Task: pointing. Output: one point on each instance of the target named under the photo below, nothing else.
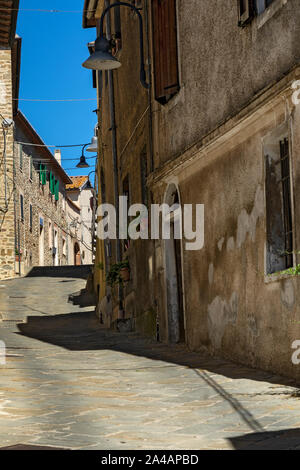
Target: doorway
(77, 257)
(173, 273)
(41, 243)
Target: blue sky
(54, 45)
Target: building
(33, 222)
(80, 197)
(219, 126)
(41, 230)
(8, 85)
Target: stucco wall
(222, 67)
(232, 307)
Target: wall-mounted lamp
(102, 58)
(93, 147)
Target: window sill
(174, 101)
(270, 12)
(278, 277)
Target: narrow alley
(69, 383)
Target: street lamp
(83, 163)
(102, 59)
(93, 147)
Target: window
(30, 168)
(50, 235)
(30, 217)
(144, 173)
(22, 207)
(64, 247)
(166, 73)
(279, 208)
(117, 35)
(246, 11)
(56, 190)
(261, 5)
(43, 174)
(21, 156)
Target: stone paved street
(68, 383)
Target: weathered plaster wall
(132, 115)
(232, 308)
(221, 68)
(7, 236)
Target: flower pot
(125, 274)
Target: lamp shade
(82, 163)
(94, 145)
(101, 59)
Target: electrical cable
(39, 10)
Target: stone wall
(44, 206)
(7, 235)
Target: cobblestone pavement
(68, 383)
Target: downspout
(147, 6)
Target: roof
(89, 12)
(8, 21)
(16, 69)
(77, 182)
(34, 138)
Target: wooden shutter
(246, 11)
(56, 193)
(165, 49)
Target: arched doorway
(173, 273)
(77, 257)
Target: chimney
(57, 155)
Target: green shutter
(50, 182)
(40, 172)
(56, 190)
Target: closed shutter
(56, 191)
(165, 49)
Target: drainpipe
(147, 6)
(114, 154)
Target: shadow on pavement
(81, 331)
(286, 439)
(75, 272)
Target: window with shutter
(56, 190)
(246, 11)
(166, 73)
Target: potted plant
(125, 271)
(118, 273)
(18, 255)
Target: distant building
(80, 196)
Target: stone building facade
(219, 126)
(8, 45)
(41, 229)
